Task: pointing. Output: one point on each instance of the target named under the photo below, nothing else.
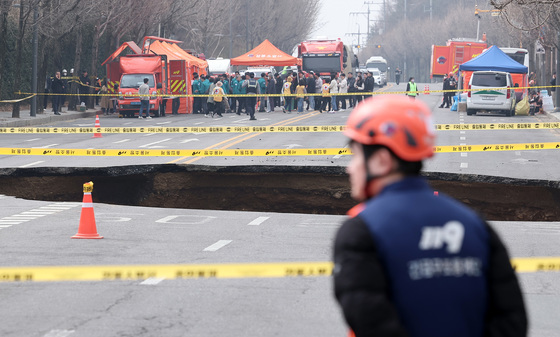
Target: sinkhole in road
(283, 189)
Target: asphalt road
(538, 164)
(37, 233)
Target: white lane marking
(189, 140)
(463, 144)
(217, 245)
(258, 221)
(53, 208)
(463, 138)
(44, 147)
(69, 204)
(121, 141)
(127, 123)
(21, 215)
(31, 164)
(163, 123)
(198, 123)
(39, 212)
(59, 333)
(203, 219)
(242, 120)
(291, 146)
(11, 219)
(84, 124)
(8, 226)
(517, 153)
(464, 154)
(149, 134)
(462, 132)
(32, 140)
(464, 165)
(152, 281)
(150, 145)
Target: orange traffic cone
(87, 228)
(427, 89)
(97, 125)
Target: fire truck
(166, 78)
(326, 57)
(446, 59)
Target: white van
(491, 91)
(219, 66)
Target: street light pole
(33, 112)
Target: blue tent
(494, 59)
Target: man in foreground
(408, 262)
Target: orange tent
(193, 64)
(265, 54)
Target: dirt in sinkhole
(284, 189)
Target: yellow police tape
(257, 152)
(418, 92)
(18, 100)
(275, 129)
(225, 271)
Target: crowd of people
(311, 92)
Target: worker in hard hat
(409, 262)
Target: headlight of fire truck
(154, 95)
(121, 95)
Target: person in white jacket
(333, 89)
(342, 89)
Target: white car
(259, 71)
(377, 77)
(491, 91)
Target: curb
(33, 121)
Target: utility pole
(406, 25)
(33, 112)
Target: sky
(335, 20)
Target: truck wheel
(470, 112)
(161, 112)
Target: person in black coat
(369, 84)
(57, 88)
(279, 85)
(310, 87)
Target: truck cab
(129, 101)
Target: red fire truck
(446, 59)
(326, 57)
(167, 75)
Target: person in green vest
(204, 89)
(262, 85)
(197, 103)
(242, 101)
(411, 88)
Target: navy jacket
(414, 264)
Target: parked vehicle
(377, 77)
(491, 91)
(447, 59)
(379, 63)
(326, 57)
(219, 66)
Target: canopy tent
(193, 65)
(494, 59)
(174, 52)
(265, 54)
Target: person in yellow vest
(219, 105)
(411, 89)
(326, 96)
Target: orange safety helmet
(401, 124)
